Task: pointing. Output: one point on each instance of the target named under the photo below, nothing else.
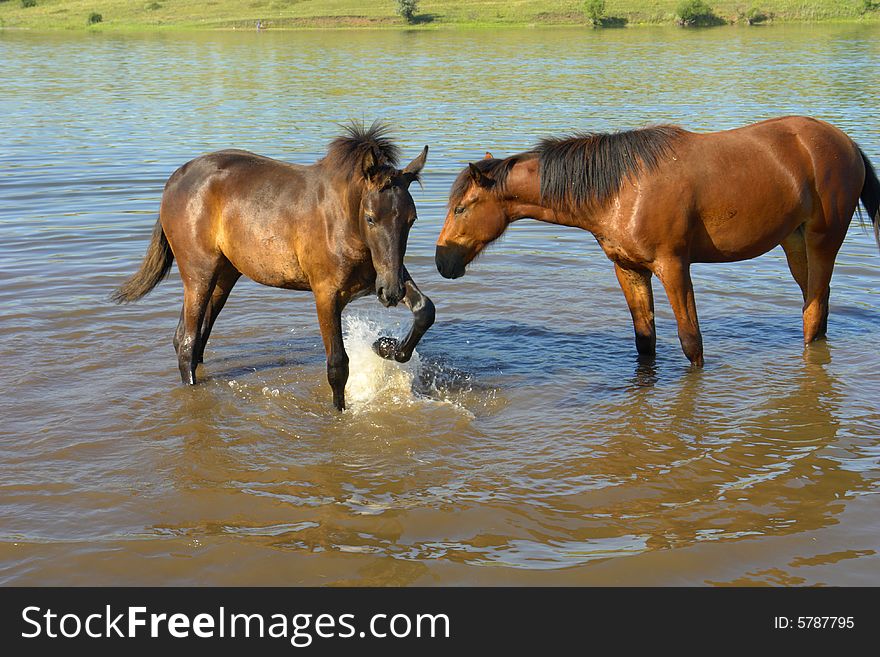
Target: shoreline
(440, 27)
(436, 15)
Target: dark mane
(494, 168)
(588, 167)
(346, 153)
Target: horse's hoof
(386, 347)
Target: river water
(524, 444)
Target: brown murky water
(526, 445)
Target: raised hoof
(386, 347)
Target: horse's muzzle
(389, 295)
(450, 261)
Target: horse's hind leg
(636, 286)
(196, 292)
(824, 234)
(795, 247)
(178, 333)
(226, 280)
(822, 250)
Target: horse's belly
(272, 264)
(740, 226)
(731, 244)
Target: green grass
(275, 14)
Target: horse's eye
(459, 209)
(371, 219)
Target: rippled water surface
(524, 444)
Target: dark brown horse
(338, 228)
(660, 198)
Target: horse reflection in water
(338, 228)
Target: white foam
(372, 380)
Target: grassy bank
(275, 14)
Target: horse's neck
(522, 197)
(349, 195)
(338, 205)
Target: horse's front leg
(330, 305)
(636, 286)
(423, 317)
(675, 275)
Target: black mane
(589, 167)
(347, 152)
(583, 168)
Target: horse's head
(476, 215)
(387, 212)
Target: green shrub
(95, 17)
(696, 12)
(28, 3)
(595, 11)
(756, 15)
(870, 5)
(407, 9)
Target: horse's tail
(155, 267)
(871, 195)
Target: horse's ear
(488, 156)
(479, 177)
(376, 175)
(412, 170)
(369, 164)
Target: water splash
(374, 384)
(372, 378)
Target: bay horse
(338, 227)
(660, 198)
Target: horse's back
(752, 186)
(239, 166)
(241, 206)
(794, 141)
